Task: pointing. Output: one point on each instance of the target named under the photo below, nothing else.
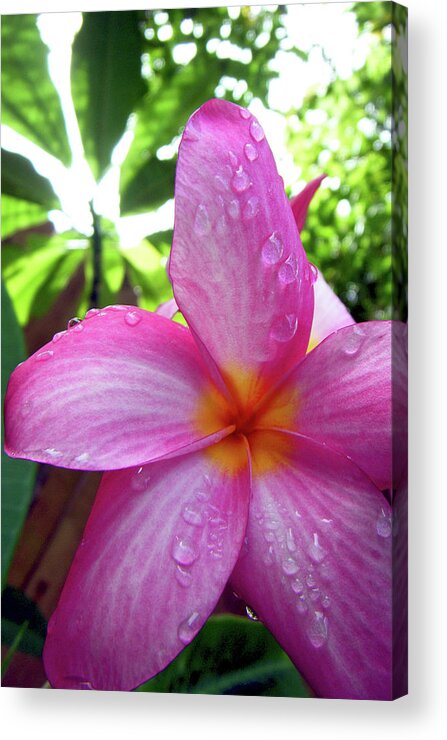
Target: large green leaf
(18, 215)
(17, 610)
(17, 475)
(147, 272)
(231, 655)
(30, 103)
(175, 90)
(152, 186)
(35, 273)
(159, 119)
(20, 179)
(106, 80)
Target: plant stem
(97, 250)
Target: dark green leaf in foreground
(17, 475)
(20, 179)
(18, 610)
(106, 80)
(30, 103)
(231, 655)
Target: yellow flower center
(251, 415)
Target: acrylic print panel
(204, 348)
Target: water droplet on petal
(234, 209)
(91, 312)
(132, 318)
(140, 480)
(46, 355)
(251, 208)
(193, 514)
(241, 181)
(183, 576)
(58, 336)
(78, 327)
(313, 273)
(325, 601)
(183, 551)
(352, 343)
(233, 159)
(251, 614)
(284, 328)
(76, 682)
(221, 183)
(202, 224)
(271, 523)
(26, 408)
(301, 604)
(288, 271)
(272, 249)
(316, 552)
(297, 586)
(256, 131)
(83, 458)
(318, 630)
(310, 580)
(202, 495)
(269, 557)
(384, 524)
(75, 321)
(289, 566)
(314, 594)
(52, 452)
(189, 628)
(244, 113)
(250, 152)
(221, 225)
(290, 540)
(359, 330)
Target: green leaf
(164, 112)
(113, 268)
(17, 475)
(18, 610)
(152, 186)
(18, 215)
(30, 103)
(57, 279)
(20, 179)
(106, 80)
(147, 272)
(231, 655)
(14, 647)
(37, 271)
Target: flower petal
(300, 203)
(168, 309)
(157, 551)
(119, 389)
(330, 313)
(239, 272)
(341, 395)
(316, 567)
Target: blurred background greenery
(90, 134)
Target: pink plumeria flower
(233, 455)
